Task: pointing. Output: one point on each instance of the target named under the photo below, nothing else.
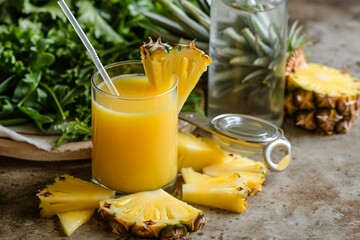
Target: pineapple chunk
(251, 171)
(71, 194)
(190, 176)
(161, 61)
(228, 192)
(71, 221)
(198, 152)
(152, 214)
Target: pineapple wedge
(228, 192)
(251, 171)
(161, 61)
(197, 152)
(71, 221)
(152, 214)
(71, 194)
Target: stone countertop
(317, 197)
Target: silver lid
(246, 128)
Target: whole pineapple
(318, 98)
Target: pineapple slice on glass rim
(162, 60)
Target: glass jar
(248, 42)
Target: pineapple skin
(317, 111)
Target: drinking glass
(134, 134)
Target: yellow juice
(134, 136)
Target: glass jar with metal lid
(245, 135)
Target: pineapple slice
(228, 192)
(251, 171)
(71, 221)
(197, 152)
(161, 61)
(71, 194)
(318, 98)
(152, 214)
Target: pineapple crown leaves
(296, 38)
(183, 20)
(186, 21)
(196, 13)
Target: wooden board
(25, 151)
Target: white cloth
(29, 135)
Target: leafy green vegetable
(44, 69)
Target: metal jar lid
(245, 134)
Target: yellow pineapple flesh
(152, 214)
(253, 172)
(161, 61)
(227, 192)
(69, 193)
(197, 152)
(189, 175)
(71, 221)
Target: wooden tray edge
(26, 151)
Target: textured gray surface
(317, 197)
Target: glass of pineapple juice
(134, 134)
